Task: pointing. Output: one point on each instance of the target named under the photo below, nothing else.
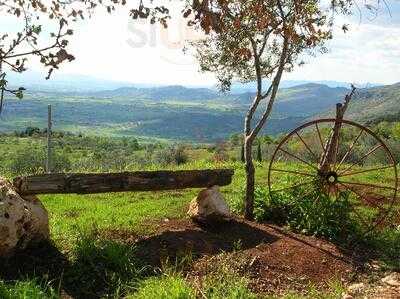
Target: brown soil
(274, 259)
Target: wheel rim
(361, 159)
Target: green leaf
(19, 94)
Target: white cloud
(112, 47)
(367, 53)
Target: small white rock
(209, 206)
(347, 296)
(356, 288)
(393, 279)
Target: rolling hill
(171, 112)
(374, 105)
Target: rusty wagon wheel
(361, 170)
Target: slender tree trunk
(242, 158)
(249, 133)
(250, 179)
(259, 153)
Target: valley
(178, 113)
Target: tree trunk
(250, 174)
(242, 158)
(259, 153)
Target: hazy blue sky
(113, 47)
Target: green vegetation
(95, 252)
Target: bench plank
(85, 183)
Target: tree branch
(275, 87)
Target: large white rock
(209, 206)
(23, 221)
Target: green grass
(139, 212)
(27, 289)
(167, 286)
(90, 264)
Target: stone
(356, 288)
(347, 296)
(209, 207)
(23, 221)
(392, 279)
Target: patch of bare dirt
(274, 259)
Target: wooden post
(48, 158)
(332, 146)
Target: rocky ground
(387, 287)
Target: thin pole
(48, 160)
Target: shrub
(33, 161)
(173, 155)
(315, 214)
(61, 162)
(220, 152)
(27, 161)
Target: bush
(173, 155)
(316, 214)
(28, 161)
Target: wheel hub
(331, 177)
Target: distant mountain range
(374, 105)
(189, 114)
(81, 83)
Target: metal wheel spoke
(366, 170)
(294, 186)
(370, 152)
(364, 198)
(354, 210)
(367, 185)
(307, 147)
(320, 138)
(349, 150)
(294, 172)
(305, 195)
(367, 225)
(300, 159)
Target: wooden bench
(85, 183)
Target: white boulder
(23, 221)
(209, 207)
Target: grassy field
(100, 243)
